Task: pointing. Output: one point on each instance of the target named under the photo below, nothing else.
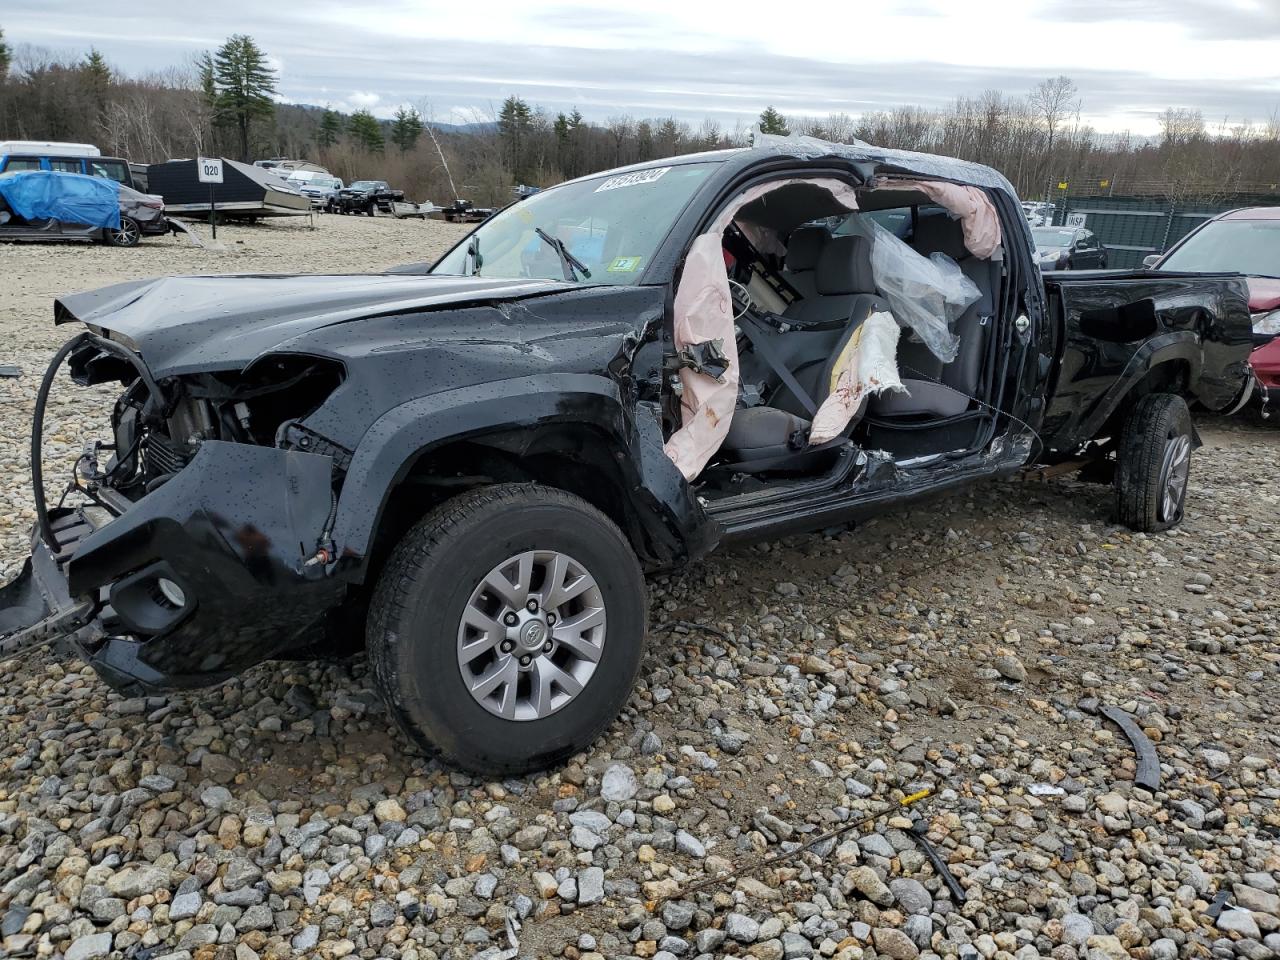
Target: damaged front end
(191, 543)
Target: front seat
(773, 436)
(804, 246)
(934, 388)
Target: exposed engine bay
(157, 429)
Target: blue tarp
(68, 197)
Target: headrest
(804, 246)
(940, 233)
(844, 267)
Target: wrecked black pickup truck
(467, 466)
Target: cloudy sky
(699, 58)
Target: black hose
(154, 399)
(37, 438)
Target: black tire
(127, 236)
(420, 598)
(1153, 463)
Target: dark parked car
(76, 207)
(1245, 241)
(366, 196)
(615, 374)
(1069, 248)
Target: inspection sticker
(632, 179)
(624, 265)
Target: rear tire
(485, 676)
(127, 236)
(1153, 463)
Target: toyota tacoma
(469, 465)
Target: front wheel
(507, 628)
(1153, 463)
(127, 236)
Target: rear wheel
(1153, 463)
(507, 628)
(127, 236)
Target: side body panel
(1115, 328)
(667, 524)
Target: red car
(1246, 241)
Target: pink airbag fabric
(704, 312)
(977, 214)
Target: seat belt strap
(762, 346)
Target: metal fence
(1132, 228)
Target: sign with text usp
(209, 169)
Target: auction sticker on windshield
(632, 179)
(624, 265)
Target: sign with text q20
(210, 169)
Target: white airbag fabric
(867, 366)
(704, 312)
(926, 294)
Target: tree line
(224, 102)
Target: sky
(692, 59)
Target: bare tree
(620, 129)
(1181, 125)
(1054, 101)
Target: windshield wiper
(473, 251)
(570, 264)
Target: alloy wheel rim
(1174, 473)
(127, 232)
(531, 635)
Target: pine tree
(771, 121)
(514, 123)
(5, 58)
(560, 128)
(366, 131)
(330, 129)
(406, 128)
(97, 75)
(644, 140)
(242, 86)
(668, 136)
(204, 65)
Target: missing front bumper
(36, 606)
(229, 534)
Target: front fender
(655, 490)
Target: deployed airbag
(867, 366)
(971, 205)
(704, 313)
(66, 197)
(926, 294)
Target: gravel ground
(791, 688)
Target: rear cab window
(116, 170)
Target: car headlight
(1267, 324)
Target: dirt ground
(961, 644)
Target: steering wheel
(741, 298)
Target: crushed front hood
(187, 324)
